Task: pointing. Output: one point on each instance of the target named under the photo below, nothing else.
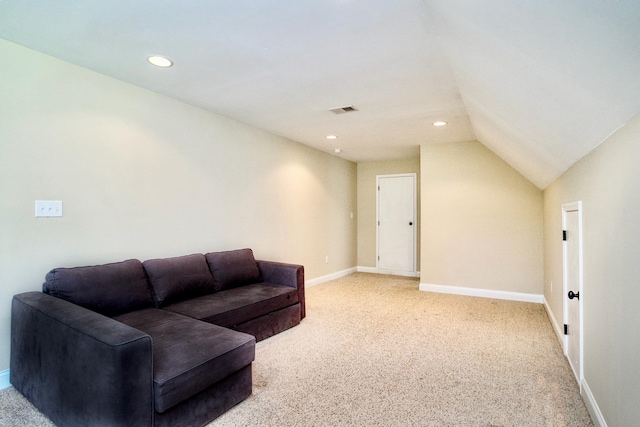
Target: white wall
(607, 181)
(481, 221)
(144, 176)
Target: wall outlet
(48, 208)
(326, 259)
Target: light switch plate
(48, 208)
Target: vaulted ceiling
(539, 82)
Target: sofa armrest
(287, 275)
(79, 367)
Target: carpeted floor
(375, 351)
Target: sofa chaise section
(190, 357)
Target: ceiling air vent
(342, 110)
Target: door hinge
(564, 235)
(378, 258)
(378, 188)
(566, 329)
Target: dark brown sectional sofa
(164, 342)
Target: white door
(397, 224)
(573, 286)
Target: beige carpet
(375, 351)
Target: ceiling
(540, 83)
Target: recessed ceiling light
(440, 123)
(160, 61)
(331, 137)
(337, 150)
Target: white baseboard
(483, 293)
(375, 270)
(559, 330)
(4, 379)
(592, 406)
(328, 277)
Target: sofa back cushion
(231, 269)
(109, 289)
(179, 278)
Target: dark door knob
(572, 295)
(410, 222)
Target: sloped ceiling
(540, 83)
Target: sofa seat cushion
(188, 355)
(238, 305)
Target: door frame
(413, 273)
(570, 207)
